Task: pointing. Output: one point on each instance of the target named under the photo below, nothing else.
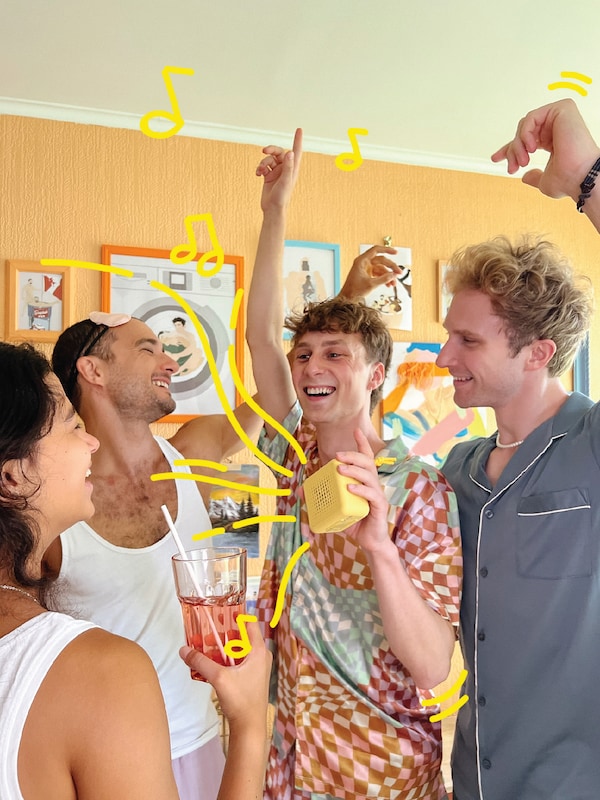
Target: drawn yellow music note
(182, 253)
(353, 160)
(239, 648)
(174, 116)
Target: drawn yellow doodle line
(243, 487)
(432, 701)
(235, 309)
(250, 402)
(217, 380)
(284, 581)
(64, 262)
(579, 76)
(182, 253)
(174, 116)
(239, 648)
(243, 523)
(351, 161)
(200, 462)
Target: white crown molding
(229, 133)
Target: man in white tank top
(116, 571)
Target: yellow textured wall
(66, 189)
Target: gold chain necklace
(22, 591)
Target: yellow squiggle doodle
(244, 523)
(63, 262)
(243, 487)
(284, 581)
(182, 253)
(208, 534)
(351, 161)
(199, 462)
(251, 403)
(235, 309)
(241, 524)
(174, 116)
(216, 379)
(432, 701)
(239, 648)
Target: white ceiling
(435, 82)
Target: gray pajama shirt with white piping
(530, 615)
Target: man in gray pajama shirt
(528, 496)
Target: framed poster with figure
(199, 340)
(38, 301)
(311, 273)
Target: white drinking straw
(188, 566)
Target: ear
(13, 477)
(377, 376)
(91, 369)
(540, 353)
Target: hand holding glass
(211, 587)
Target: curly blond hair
(532, 288)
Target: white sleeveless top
(26, 655)
(131, 592)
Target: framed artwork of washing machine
(197, 318)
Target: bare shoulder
(202, 437)
(101, 696)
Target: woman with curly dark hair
(81, 712)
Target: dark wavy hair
(27, 409)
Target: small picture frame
(236, 508)
(38, 301)
(311, 273)
(444, 297)
(394, 303)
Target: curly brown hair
(532, 288)
(347, 316)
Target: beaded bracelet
(587, 185)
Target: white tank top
(131, 592)
(23, 667)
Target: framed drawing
(395, 302)
(38, 301)
(311, 272)
(212, 301)
(418, 404)
(230, 507)
(444, 297)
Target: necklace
(507, 446)
(22, 591)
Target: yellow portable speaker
(329, 504)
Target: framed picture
(212, 301)
(311, 273)
(418, 404)
(395, 302)
(444, 297)
(38, 301)
(229, 508)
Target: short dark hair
(81, 339)
(27, 408)
(347, 316)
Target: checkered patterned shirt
(349, 720)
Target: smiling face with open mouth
(140, 373)
(331, 376)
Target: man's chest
(128, 513)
